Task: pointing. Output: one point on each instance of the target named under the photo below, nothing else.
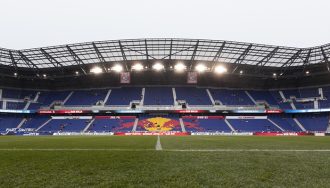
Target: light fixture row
(179, 67)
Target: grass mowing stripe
(248, 150)
(172, 150)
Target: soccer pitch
(188, 161)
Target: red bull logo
(159, 124)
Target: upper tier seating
(279, 100)
(15, 105)
(18, 94)
(263, 96)
(252, 125)
(158, 96)
(308, 93)
(206, 125)
(305, 105)
(46, 98)
(326, 94)
(162, 96)
(34, 106)
(193, 96)
(291, 93)
(86, 97)
(231, 97)
(65, 125)
(123, 96)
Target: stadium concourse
(165, 86)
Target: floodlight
(220, 69)
(180, 67)
(117, 68)
(96, 70)
(137, 67)
(200, 68)
(158, 66)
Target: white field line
(170, 150)
(158, 144)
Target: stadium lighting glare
(137, 67)
(220, 69)
(158, 66)
(180, 67)
(96, 70)
(117, 68)
(200, 68)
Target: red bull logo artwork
(159, 124)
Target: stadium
(164, 93)
(167, 95)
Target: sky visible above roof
(38, 23)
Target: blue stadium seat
(65, 125)
(231, 97)
(158, 96)
(112, 125)
(252, 125)
(86, 97)
(206, 125)
(123, 96)
(193, 95)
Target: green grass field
(191, 161)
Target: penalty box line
(158, 146)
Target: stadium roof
(153, 49)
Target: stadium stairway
(183, 128)
(328, 129)
(68, 97)
(135, 124)
(276, 124)
(229, 125)
(27, 105)
(106, 97)
(299, 124)
(174, 96)
(143, 92)
(44, 124)
(21, 123)
(211, 97)
(88, 125)
(250, 96)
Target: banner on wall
(246, 117)
(192, 78)
(72, 117)
(63, 111)
(202, 117)
(115, 117)
(125, 78)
